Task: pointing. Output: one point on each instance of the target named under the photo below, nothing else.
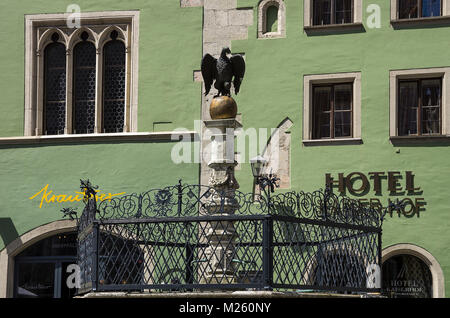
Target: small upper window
(332, 12)
(412, 9)
(271, 19)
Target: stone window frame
(437, 274)
(335, 78)
(397, 23)
(308, 17)
(263, 5)
(38, 30)
(423, 73)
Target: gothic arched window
(84, 68)
(83, 80)
(113, 85)
(54, 87)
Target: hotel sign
(394, 183)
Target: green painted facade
(170, 48)
(273, 90)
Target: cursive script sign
(47, 196)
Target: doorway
(41, 269)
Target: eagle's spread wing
(208, 71)
(238, 64)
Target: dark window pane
(343, 97)
(408, 9)
(431, 104)
(322, 12)
(35, 280)
(324, 121)
(64, 244)
(322, 97)
(431, 92)
(342, 124)
(431, 8)
(407, 108)
(272, 19)
(343, 11)
(84, 55)
(322, 108)
(333, 111)
(55, 89)
(114, 86)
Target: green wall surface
(113, 167)
(170, 48)
(273, 90)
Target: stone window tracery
(81, 80)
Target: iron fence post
(380, 260)
(325, 205)
(268, 252)
(189, 267)
(180, 197)
(95, 257)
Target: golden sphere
(223, 107)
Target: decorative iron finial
(88, 189)
(270, 181)
(70, 212)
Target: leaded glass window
(84, 55)
(113, 85)
(407, 276)
(54, 87)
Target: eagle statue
(224, 71)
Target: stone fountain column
(219, 267)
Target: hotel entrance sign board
(396, 183)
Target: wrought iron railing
(161, 240)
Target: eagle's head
(225, 51)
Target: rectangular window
(412, 9)
(419, 107)
(332, 12)
(333, 111)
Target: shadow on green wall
(8, 231)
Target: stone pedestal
(219, 266)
